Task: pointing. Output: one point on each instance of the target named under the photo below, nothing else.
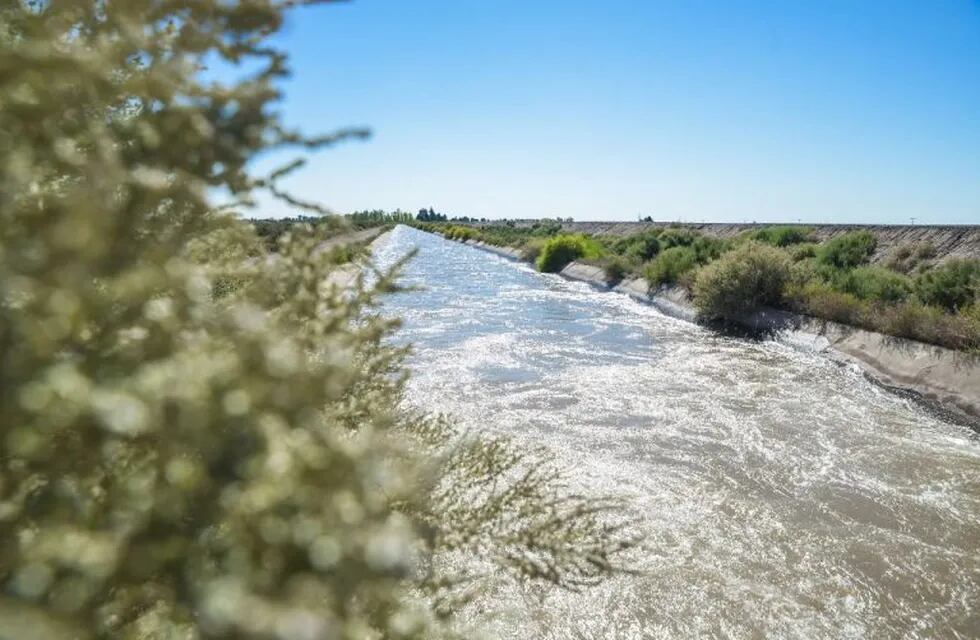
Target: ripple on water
(780, 494)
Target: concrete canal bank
(948, 380)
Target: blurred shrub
(953, 285)
(749, 276)
(531, 248)
(202, 439)
(562, 249)
(461, 233)
(848, 250)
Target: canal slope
(947, 379)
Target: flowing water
(780, 494)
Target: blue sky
(834, 111)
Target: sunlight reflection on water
(781, 494)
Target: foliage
(829, 280)
(822, 301)
(782, 236)
(909, 319)
(562, 249)
(953, 285)
(802, 251)
(460, 233)
(677, 237)
(749, 276)
(430, 215)
(531, 248)
(640, 246)
(910, 256)
(682, 250)
(668, 267)
(201, 439)
(615, 268)
(848, 250)
(874, 283)
(378, 217)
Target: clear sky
(721, 110)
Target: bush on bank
(874, 283)
(671, 265)
(910, 257)
(848, 250)
(905, 295)
(782, 236)
(953, 285)
(639, 247)
(749, 276)
(562, 249)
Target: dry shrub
(747, 277)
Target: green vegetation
(203, 439)
(910, 257)
(905, 295)
(682, 255)
(874, 283)
(954, 285)
(615, 267)
(848, 250)
(747, 277)
(782, 236)
(639, 247)
(271, 230)
(670, 265)
(562, 249)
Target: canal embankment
(945, 378)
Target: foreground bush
(562, 249)
(201, 439)
(953, 285)
(745, 278)
(848, 250)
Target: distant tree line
(270, 230)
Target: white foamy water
(780, 494)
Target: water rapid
(780, 494)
